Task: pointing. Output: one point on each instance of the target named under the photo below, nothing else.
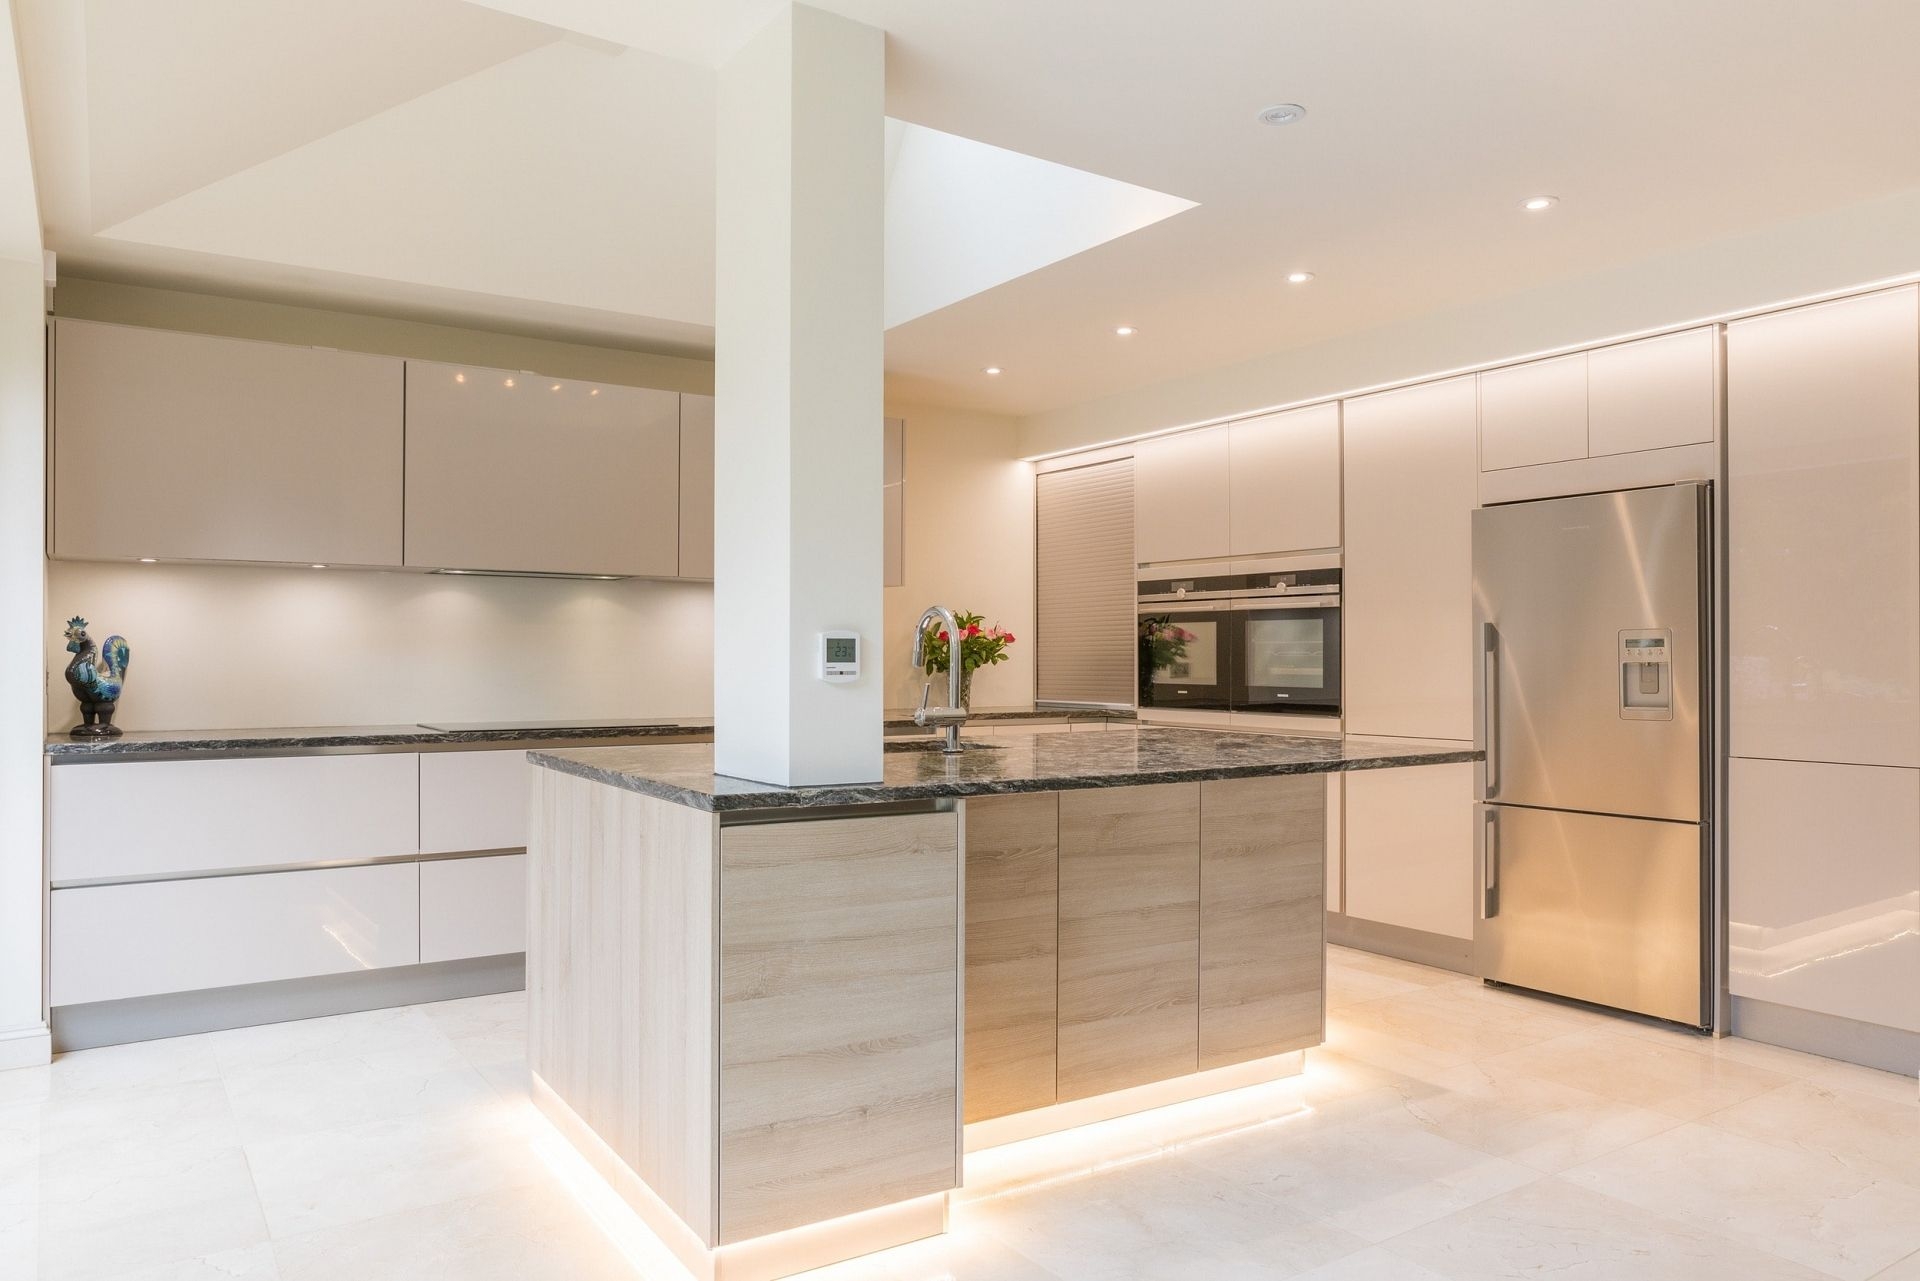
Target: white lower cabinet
(1823, 883)
(473, 801)
(114, 941)
(1408, 841)
(473, 907)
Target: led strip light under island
(777, 1020)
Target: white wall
(969, 546)
(221, 647)
(23, 1028)
(1833, 251)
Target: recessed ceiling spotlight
(509, 382)
(1284, 113)
(148, 560)
(1534, 204)
(555, 387)
(1124, 331)
(993, 371)
(1299, 277)
(317, 567)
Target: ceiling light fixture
(1534, 204)
(459, 378)
(1299, 277)
(1284, 113)
(317, 567)
(148, 560)
(1124, 331)
(509, 382)
(555, 387)
(993, 371)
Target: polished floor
(1446, 1131)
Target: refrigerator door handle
(1490, 864)
(1490, 702)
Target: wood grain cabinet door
(1013, 906)
(1262, 916)
(839, 1018)
(1129, 937)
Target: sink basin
(940, 745)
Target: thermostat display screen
(842, 649)
(839, 656)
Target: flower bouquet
(979, 647)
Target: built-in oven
(1264, 637)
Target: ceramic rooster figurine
(96, 678)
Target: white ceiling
(547, 164)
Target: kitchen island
(776, 1019)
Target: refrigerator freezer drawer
(1593, 907)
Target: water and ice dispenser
(1646, 674)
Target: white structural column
(23, 578)
(797, 389)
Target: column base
(29, 1047)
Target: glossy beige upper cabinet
(696, 487)
(1284, 481)
(1823, 514)
(1180, 497)
(1823, 883)
(189, 447)
(1410, 495)
(1534, 413)
(515, 471)
(1656, 393)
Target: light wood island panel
(839, 1017)
(1129, 936)
(1262, 916)
(1013, 931)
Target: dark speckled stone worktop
(683, 773)
(174, 744)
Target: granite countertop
(683, 773)
(324, 738)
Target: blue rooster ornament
(97, 678)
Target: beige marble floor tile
(1908, 1269)
(179, 1060)
(1375, 1263)
(1645, 1073)
(1799, 1206)
(1891, 1086)
(1351, 985)
(332, 1177)
(1375, 1174)
(1448, 1026)
(961, 1255)
(1393, 968)
(102, 1218)
(403, 1030)
(1159, 1219)
(532, 1233)
(294, 1099)
(1553, 1228)
(489, 1030)
(137, 1124)
(254, 1263)
(1864, 1133)
(1539, 1123)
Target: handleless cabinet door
(696, 487)
(1409, 848)
(473, 907)
(1013, 929)
(1653, 394)
(514, 471)
(473, 801)
(1823, 885)
(1823, 517)
(1534, 413)
(1129, 937)
(1284, 481)
(191, 447)
(1411, 487)
(1180, 497)
(1262, 916)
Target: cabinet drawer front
(159, 818)
(1013, 930)
(114, 941)
(1409, 848)
(473, 907)
(473, 801)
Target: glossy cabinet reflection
(1823, 512)
(1824, 889)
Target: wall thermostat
(839, 656)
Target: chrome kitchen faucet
(952, 716)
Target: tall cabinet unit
(1411, 474)
(1823, 513)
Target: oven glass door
(1186, 656)
(1287, 659)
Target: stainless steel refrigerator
(1592, 617)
